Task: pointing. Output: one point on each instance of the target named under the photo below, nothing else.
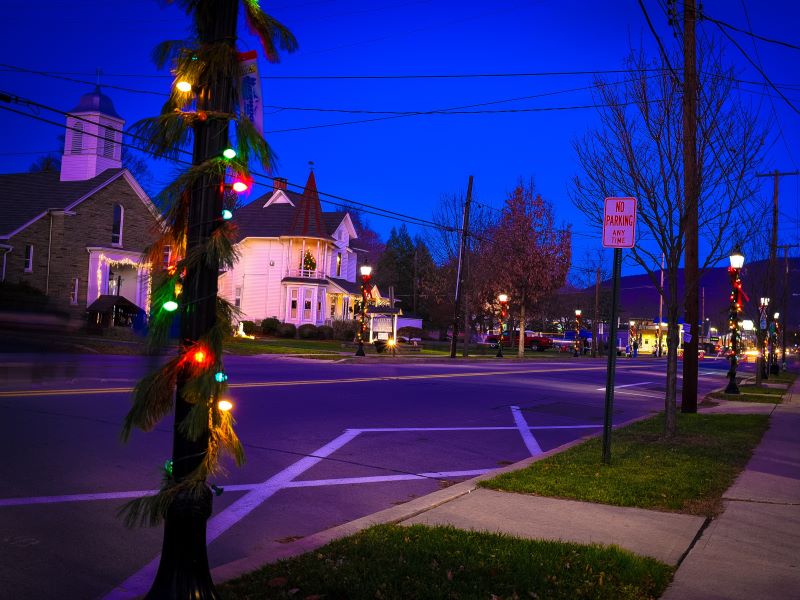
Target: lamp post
(503, 300)
(578, 313)
(763, 344)
(737, 261)
(366, 274)
(773, 344)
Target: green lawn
(283, 346)
(394, 562)
(755, 393)
(688, 473)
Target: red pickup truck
(532, 340)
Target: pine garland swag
(166, 135)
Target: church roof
(24, 197)
(96, 101)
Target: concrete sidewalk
(751, 551)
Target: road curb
(392, 515)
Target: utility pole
(459, 272)
(772, 366)
(414, 290)
(465, 294)
(660, 310)
(596, 319)
(690, 194)
(785, 300)
(183, 570)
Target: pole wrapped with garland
(201, 110)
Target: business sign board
(619, 223)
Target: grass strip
(687, 473)
(754, 393)
(394, 562)
(280, 346)
(757, 398)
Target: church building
(78, 234)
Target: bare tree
(637, 151)
(443, 244)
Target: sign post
(619, 231)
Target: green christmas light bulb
(220, 377)
(229, 153)
(226, 214)
(170, 306)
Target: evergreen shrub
(249, 327)
(308, 331)
(286, 330)
(344, 329)
(270, 326)
(325, 332)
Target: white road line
(385, 478)
(525, 431)
(499, 428)
(619, 387)
(246, 487)
(139, 583)
(74, 498)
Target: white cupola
(93, 140)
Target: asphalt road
(326, 443)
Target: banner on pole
(251, 100)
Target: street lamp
(763, 328)
(366, 274)
(503, 300)
(577, 332)
(737, 261)
(773, 343)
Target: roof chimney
(279, 183)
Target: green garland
(167, 134)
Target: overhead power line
(750, 33)
(757, 68)
(334, 199)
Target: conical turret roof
(308, 221)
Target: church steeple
(93, 138)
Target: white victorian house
(296, 262)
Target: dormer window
(116, 228)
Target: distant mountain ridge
(639, 297)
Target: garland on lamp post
(503, 300)
(737, 261)
(200, 110)
(578, 314)
(366, 289)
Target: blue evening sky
(402, 164)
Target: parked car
(533, 341)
